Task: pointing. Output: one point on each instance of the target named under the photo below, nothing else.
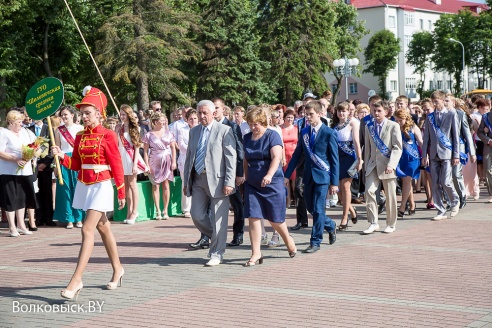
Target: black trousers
(236, 200)
(44, 212)
(301, 211)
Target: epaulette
(80, 133)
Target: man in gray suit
(485, 134)
(209, 176)
(441, 135)
(467, 147)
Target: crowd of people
(255, 161)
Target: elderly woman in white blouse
(182, 139)
(16, 174)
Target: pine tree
(231, 67)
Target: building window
(430, 24)
(353, 88)
(431, 85)
(333, 88)
(410, 83)
(391, 21)
(393, 85)
(409, 18)
(439, 85)
(407, 39)
(421, 24)
(450, 84)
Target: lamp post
(346, 67)
(463, 90)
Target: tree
(448, 55)
(381, 55)
(418, 55)
(297, 38)
(481, 48)
(348, 33)
(143, 47)
(231, 67)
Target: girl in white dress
(129, 143)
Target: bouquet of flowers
(38, 148)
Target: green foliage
(381, 55)
(231, 66)
(297, 38)
(448, 55)
(144, 46)
(348, 33)
(480, 50)
(418, 55)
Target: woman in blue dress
(409, 166)
(264, 192)
(347, 129)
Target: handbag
(352, 171)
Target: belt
(96, 167)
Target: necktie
(200, 153)
(37, 130)
(438, 120)
(378, 129)
(312, 138)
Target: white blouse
(183, 138)
(12, 145)
(73, 129)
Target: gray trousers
(487, 168)
(214, 225)
(441, 175)
(458, 181)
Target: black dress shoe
(311, 249)
(381, 207)
(235, 242)
(299, 226)
(332, 236)
(31, 228)
(462, 203)
(201, 243)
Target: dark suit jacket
(301, 124)
(47, 160)
(238, 137)
(326, 147)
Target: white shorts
(98, 196)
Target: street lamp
(346, 67)
(463, 73)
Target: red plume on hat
(94, 97)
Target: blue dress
(409, 165)
(346, 160)
(263, 202)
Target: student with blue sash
(318, 145)
(485, 135)
(409, 166)
(383, 148)
(441, 149)
(347, 130)
(467, 148)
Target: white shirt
(73, 129)
(183, 139)
(244, 126)
(176, 126)
(12, 144)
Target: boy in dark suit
(318, 145)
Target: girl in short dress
(129, 145)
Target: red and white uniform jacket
(97, 158)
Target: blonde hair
(258, 115)
(14, 115)
(156, 117)
(132, 125)
(409, 123)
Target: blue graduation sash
(444, 140)
(486, 121)
(345, 147)
(377, 140)
(411, 150)
(315, 158)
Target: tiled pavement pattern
(426, 274)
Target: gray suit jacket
(220, 159)
(465, 133)
(485, 137)
(374, 159)
(449, 126)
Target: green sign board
(44, 98)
